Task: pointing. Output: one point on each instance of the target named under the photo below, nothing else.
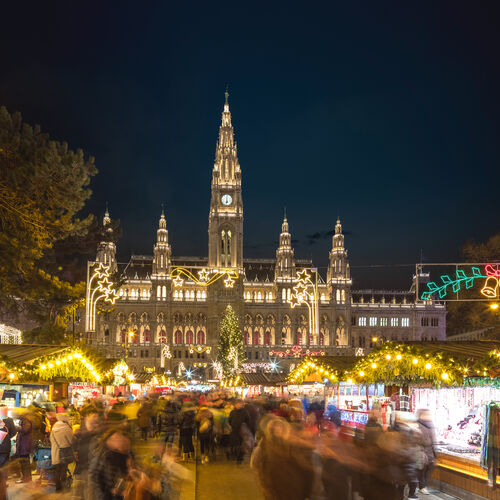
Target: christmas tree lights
(231, 351)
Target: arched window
(121, 292)
(189, 337)
(164, 291)
(268, 337)
(338, 296)
(163, 337)
(321, 339)
(311, 339)
(259, 296)
(200, 337)
(283, 295)
(147, 336)
(256, 338)
(203, 294)
(225, 248)
(246, 337)
(299, 338)
(178, 337)
(135, 337)
(123, 333)
(289, 294)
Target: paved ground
(214, 481)
(226, 481)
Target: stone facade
(186, 318)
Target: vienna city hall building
(178, 302)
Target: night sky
(382, 113)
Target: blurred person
(61, 438)
(24, 446)
(85, 443)
(205, 421)
(144, 416)
(428, 441)
(169, 422)
(186, 430)
(109, 467)
(282, 460)
(238, 418)
(7, 432)
(175, 475)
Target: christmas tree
(231, 354)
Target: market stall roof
(27, 353)
(143, 377)
(449, 363)
(470, 349)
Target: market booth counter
(257, 383)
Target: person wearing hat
(60, 437)
(7, 432)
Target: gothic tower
(161, 260)
(225, 221)
(285, 262)
(339, 283)
(106, 250)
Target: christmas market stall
(458, 383)
(44, 373)
(19, 384)
(328, 378)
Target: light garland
(71, 364)
(403, 364)
(205, 277)
(200, 349)
(296, 351)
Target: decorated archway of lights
(205, 277)
(306, 292)
(466, 278)
(98, 287)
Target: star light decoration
(98, 287)
(305, 292)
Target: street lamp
(494, 306)
(374, 340)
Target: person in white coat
(60, 437)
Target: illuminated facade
(178, 301)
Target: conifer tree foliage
(43, 187)
(231, 354)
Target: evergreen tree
(43, 187)
(231, 354)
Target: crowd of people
(296, 449)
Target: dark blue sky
(383, 113)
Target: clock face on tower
(226, 199)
